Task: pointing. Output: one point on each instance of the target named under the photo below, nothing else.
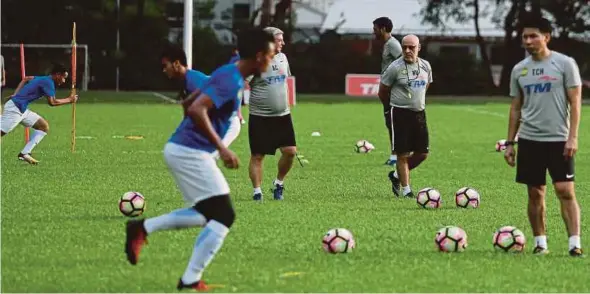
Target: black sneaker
(395, 184)
(409, 195)
(576, 252)
(278, 192)
(257, 197)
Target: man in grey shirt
(270, 126)
(403, 93)
(546, 88)
(392, 50)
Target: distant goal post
(36, 64)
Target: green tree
(437, 12)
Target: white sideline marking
(164, 97)
(85, 137)
(144, 152)
(470, 109)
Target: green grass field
(62, 231)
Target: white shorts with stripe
(12, 117)
(196, 173)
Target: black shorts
(267, 133)
(534, 158)
(408, 130)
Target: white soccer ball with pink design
(338, 241)
(363, 146)
(467, 198)
(429, 198)
(451, 239)
(501, 145)
(509, 239)
(132, 204)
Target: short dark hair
(58, 68)
(543, 24)
(384, 23)
(252, 41)
(174, 53)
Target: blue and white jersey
(36, 88)
(224, 87)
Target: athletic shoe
(197, 286)
(278, 192)
(395, 184)
(576, 252)
(136, 238)
(28, 158)
(540, 251)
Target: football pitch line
(164, 97)
(480, 111)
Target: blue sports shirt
(224, 88)
(194, 80)
(34, 89)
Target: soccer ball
(338, 241)
(429, 198)
(500, 145)
(509, 239)
(451, 239)
(363, 146)
(132, 204)
(467, 197)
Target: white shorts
(11, 117)
(196, 173)
(232, 133)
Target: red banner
(363, 85)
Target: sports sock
(541, 241)
(395, 175)
(393, 157)
(178, 219)
(257, 190)
(208, 243)
(575, 242)
(34, 140)
(277, 182)
(406, 190)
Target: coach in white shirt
(270, 126)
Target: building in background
(229, 15)
(460, 38)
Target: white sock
(406, 189)
(575, 242)
(278, 182)
(257, 190)
(36, 137)
(541, 241)
(178, 219)
(395, 175)
(208, 243)
(393, 157)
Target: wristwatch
(508, 143)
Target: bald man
(403, 89)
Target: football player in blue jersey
(190, 156)
(16, 110)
